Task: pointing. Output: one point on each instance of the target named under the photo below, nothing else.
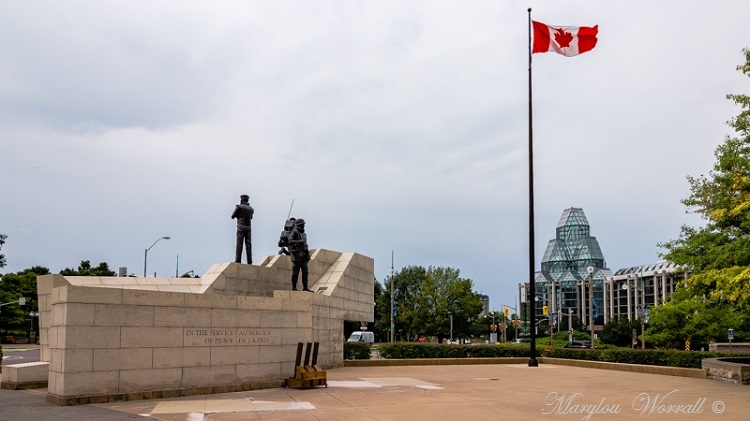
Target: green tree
(3, 237)
(380, 312)
(719, 252)
(689, 317)
(85, 269)
(425, 300)
(447, 296)
(14, 318)
(620, 331)
(481, 326)
(353, 326)
(407, 288)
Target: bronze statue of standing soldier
(300, 254)
(244, 215)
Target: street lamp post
(643, 310)
(641, 313)
(32, 333)
(493, 329)
(590, 269)
(145, 255)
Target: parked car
(523, 340)
(362, 336)
(578, 344)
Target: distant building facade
(571, 261)
(575, 277)
(485, 304)
(633, 288)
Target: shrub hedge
(356, 351)
(668, 358)
(400, 350)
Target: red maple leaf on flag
(563, 38)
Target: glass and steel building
(566, 286)
(573, 272)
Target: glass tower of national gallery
(563, 283)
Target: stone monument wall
(235, 328)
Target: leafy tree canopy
(719, 252)
(85, 269)
(723, 200)
(3, 237)
(619, 331)
(689, 317)
(425, 301)
(14, 286)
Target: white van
(362, 336)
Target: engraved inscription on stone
(228, 337)
(254, 336)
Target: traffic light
(505, 312)
(545, 310)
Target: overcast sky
(395, 126)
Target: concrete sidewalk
(448, 392)
(31, 405)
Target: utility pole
(392, 307)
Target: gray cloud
(395, 127)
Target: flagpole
(531, 305)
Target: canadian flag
(566, 40)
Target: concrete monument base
(236, 328)
(25, 376)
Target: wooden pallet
(307, 375)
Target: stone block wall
(110, 338)
(25, 376)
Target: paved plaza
(448, 392)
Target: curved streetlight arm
(21, 301)
(145, 254)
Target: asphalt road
(19, 355)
